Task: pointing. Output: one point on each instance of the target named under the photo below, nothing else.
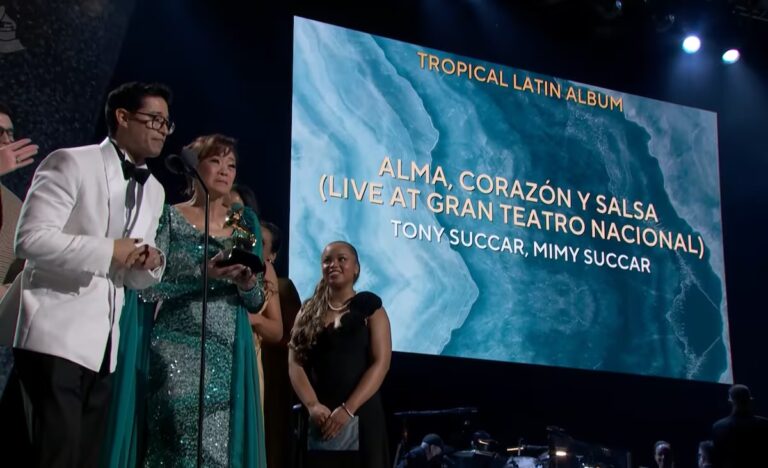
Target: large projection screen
(508, 215)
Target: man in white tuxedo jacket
(86, 230)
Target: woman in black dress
(340, 351)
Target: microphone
(183, 164)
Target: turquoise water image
(359, 98)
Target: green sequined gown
(124, 438)
(233, 431)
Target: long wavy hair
(311, 320)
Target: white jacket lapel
(116, 185)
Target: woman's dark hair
(249, 198)
(130, 96)
(277, 235)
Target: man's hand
(149, 259)
(125, 252)
(17, 155)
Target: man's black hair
(130, 96)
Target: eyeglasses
(6, 131)
(157, 122)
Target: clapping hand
(16, 155)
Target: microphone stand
(204, 314)
(183, 165)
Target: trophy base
(238, 256)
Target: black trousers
(14, 435)
(70, 408)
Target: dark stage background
(229, 63)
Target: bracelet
(344, 406)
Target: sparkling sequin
(175, 356)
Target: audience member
(705, 454)
(427, 455)
(662, 453)
(740, 437)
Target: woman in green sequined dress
(233, 434)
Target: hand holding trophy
(239, 248)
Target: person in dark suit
(427, 455)
(739, 439)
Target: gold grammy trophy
(238, 249)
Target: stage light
(731, 56)
(561, 453)
(691, 44)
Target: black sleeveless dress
(335, 365)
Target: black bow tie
(130, 171)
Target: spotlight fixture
(691, 44)
(731, 56)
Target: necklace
(337, 309)
(344, 305)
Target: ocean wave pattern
(359, 97)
